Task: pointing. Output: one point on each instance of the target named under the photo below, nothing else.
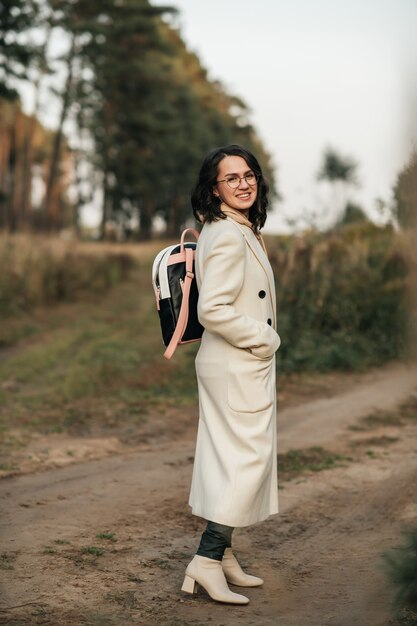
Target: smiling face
(243, 197)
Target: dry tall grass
(37, 270)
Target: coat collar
(260, 255)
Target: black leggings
(214, 541)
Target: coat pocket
(250, 384)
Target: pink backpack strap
(184, 232)
(183, 316)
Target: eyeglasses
(234, 181)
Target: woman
(234, 480)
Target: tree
(142, 113)
(340, 173)
(40, 69)
(16, 17)
(121, 99)
(405, 193)
(53, 220)
(353, 214)
(13, 150)
(152, 113)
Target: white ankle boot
(234, 573)
(209, 574)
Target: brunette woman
(234, 482)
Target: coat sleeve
(222, 279)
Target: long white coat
(234, 479)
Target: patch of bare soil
(107, 541)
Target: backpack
(176, 293)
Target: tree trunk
(5, 147)
(104, 208)
(146, 216)
(172, 217)
(26, 195)
(78, 185)
(53, 171)
(16, 200)
(11, 217)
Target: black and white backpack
(176, 293)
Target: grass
(7, 559)
(92, 550)
(133, 578)
(95, 366)
(376, 419)
(36, 270)
(163, 563)
(379, 441)
(405, 617)
(314, 459)
(126, 599)
(107, 536)
(407, 412)
(9, 467)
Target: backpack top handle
(184, 232)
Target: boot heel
(189, 585)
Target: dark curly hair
(206, 205)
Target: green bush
(402, 570)
(342, 298)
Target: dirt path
(323, 420)
(320, 557)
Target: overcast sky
(328, 72)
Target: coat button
(269, 321)
(262, 293)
